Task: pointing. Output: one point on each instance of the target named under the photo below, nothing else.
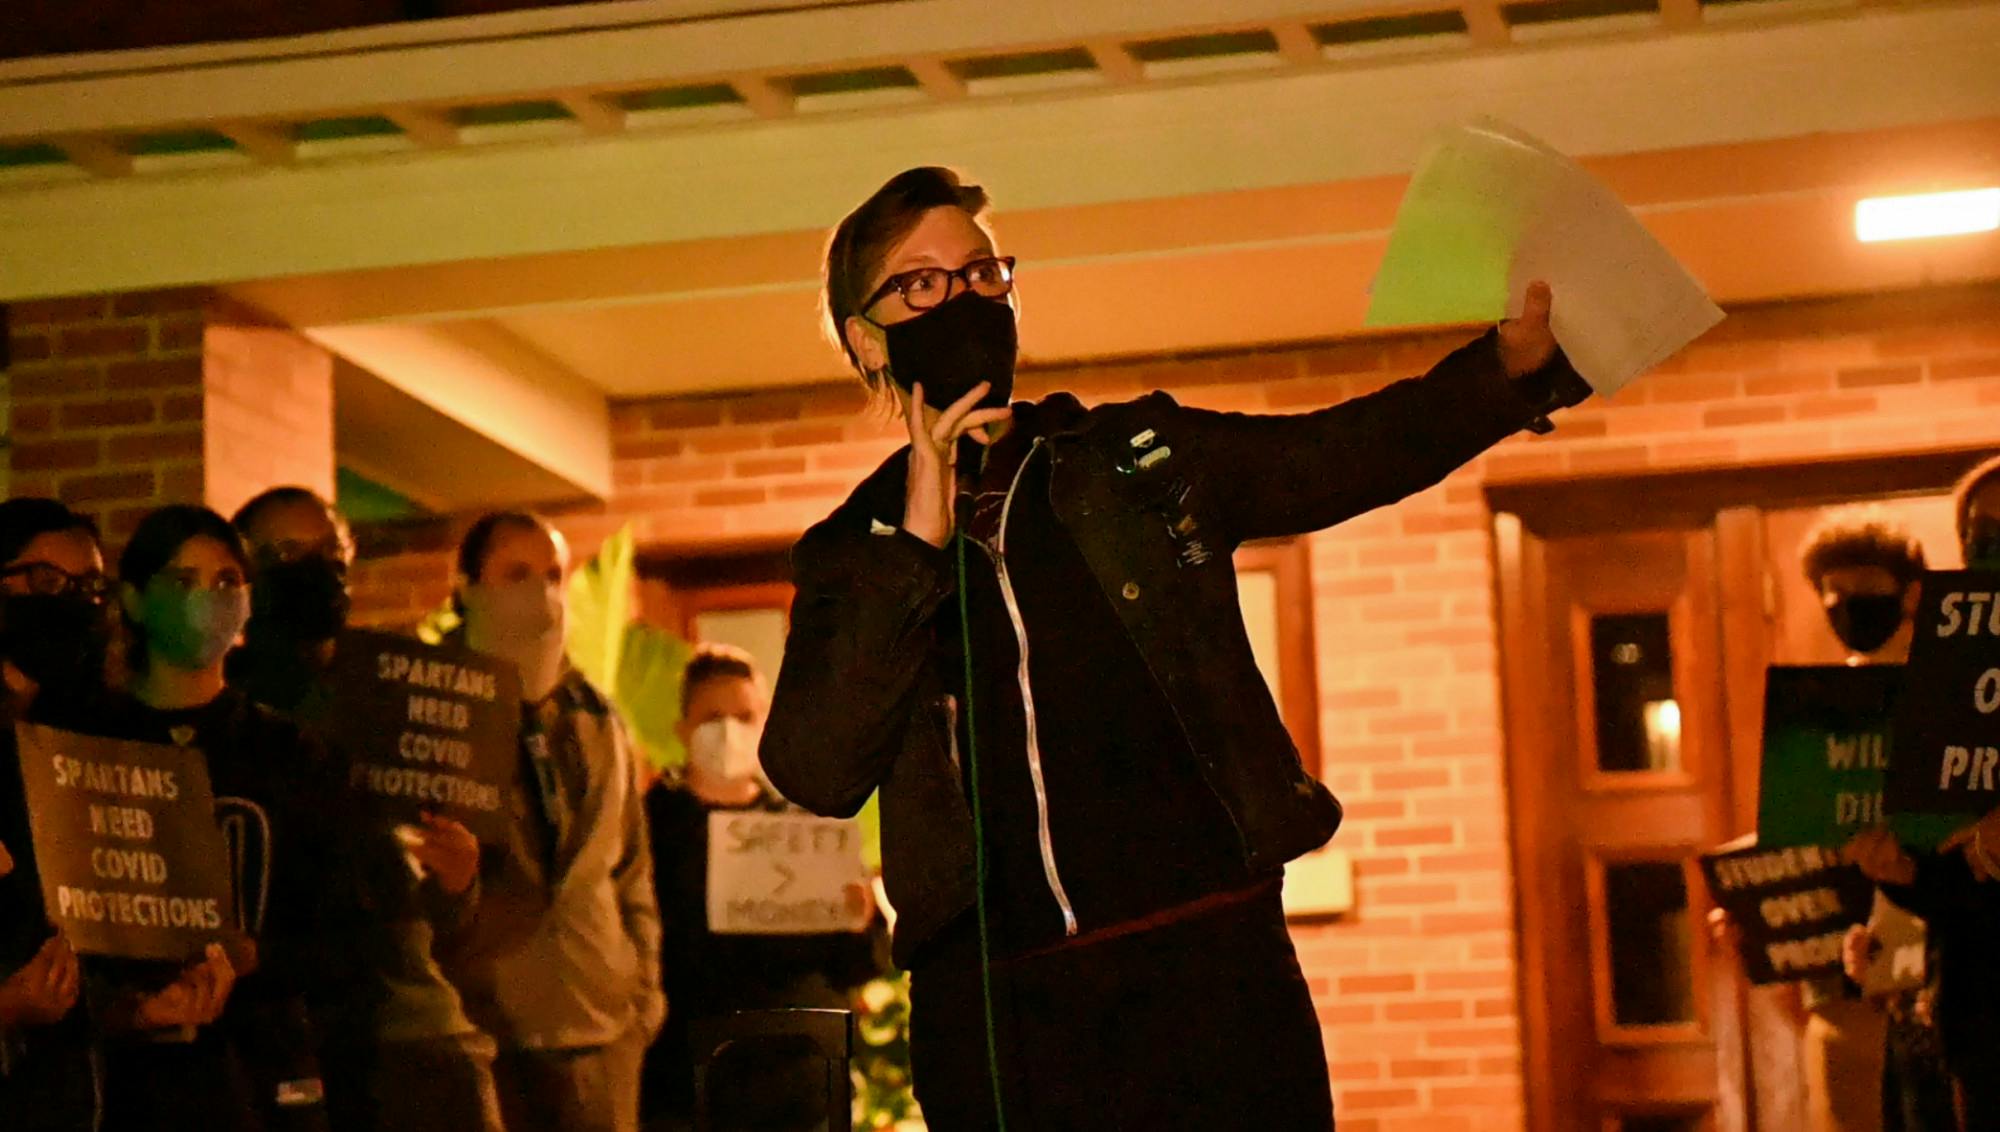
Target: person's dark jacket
(1962, 916)
(1156, 496)
(283, 809)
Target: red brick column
(122, 403)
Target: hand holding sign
(194, 999)
(1876, 853)
(1978, 841)
(42, 991)
(449, 851)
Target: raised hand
(931, 488)
(1527, 343)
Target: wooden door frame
(1728, 501)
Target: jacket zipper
(1046, 840)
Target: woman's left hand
(1527, 343)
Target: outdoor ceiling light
(1927, 214)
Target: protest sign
(1898, 960)
(132, 862)
(1826, 748)
(785, 874)
(1947, 767)
(1791, 906)
(424, 727)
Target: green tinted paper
(1491, 209)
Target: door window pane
(1646, 909)
(759, 632)
(1632, 685)
(1257, 593)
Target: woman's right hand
(44, 989)
(931, 488)
(194, 999)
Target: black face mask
(1865, 622)
(56, 640)
(1982, 544)
(302, 601)
(953, 347)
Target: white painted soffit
(1875, 68)
(493, 386)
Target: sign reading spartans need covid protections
(1946, 770)
(429, 728)
(132, 862)
(1826, 749)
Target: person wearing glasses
(1080, 645)
(397, 1047)
(54, 629)
(245, 1059)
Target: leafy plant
(881, 1068)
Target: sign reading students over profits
(131, 860)
(1947, 766)
(1826, 747)
(785, 874)
(1791, 907)
(429, 728)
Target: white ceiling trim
(1881, 68)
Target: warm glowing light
(1927, 214)
(1663, 734)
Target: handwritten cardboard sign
(429, 728)
(1791, 906)
(785, 874)
(132, 862)
(1947, 767)
(1826, 749)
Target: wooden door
(1619, 770)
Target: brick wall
(122, 403)
(107, 402)
(1418, 989)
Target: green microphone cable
(978, 843)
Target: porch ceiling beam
(1887, 69)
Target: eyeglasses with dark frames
(50, 580)
(927, 287)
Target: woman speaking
(1023, 630)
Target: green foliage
(881, 1067)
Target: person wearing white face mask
(206, 1054)
(707, 973)
(574, 1005)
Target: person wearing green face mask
(185, 596)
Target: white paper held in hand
(1491, 209)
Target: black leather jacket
(858, 705)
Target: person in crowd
(574, 1007)
(54, 630)
(184, 592)
(1956, 890)
(399, 1052)
(1062, 703)
(709, 974)
(1870, 1064)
